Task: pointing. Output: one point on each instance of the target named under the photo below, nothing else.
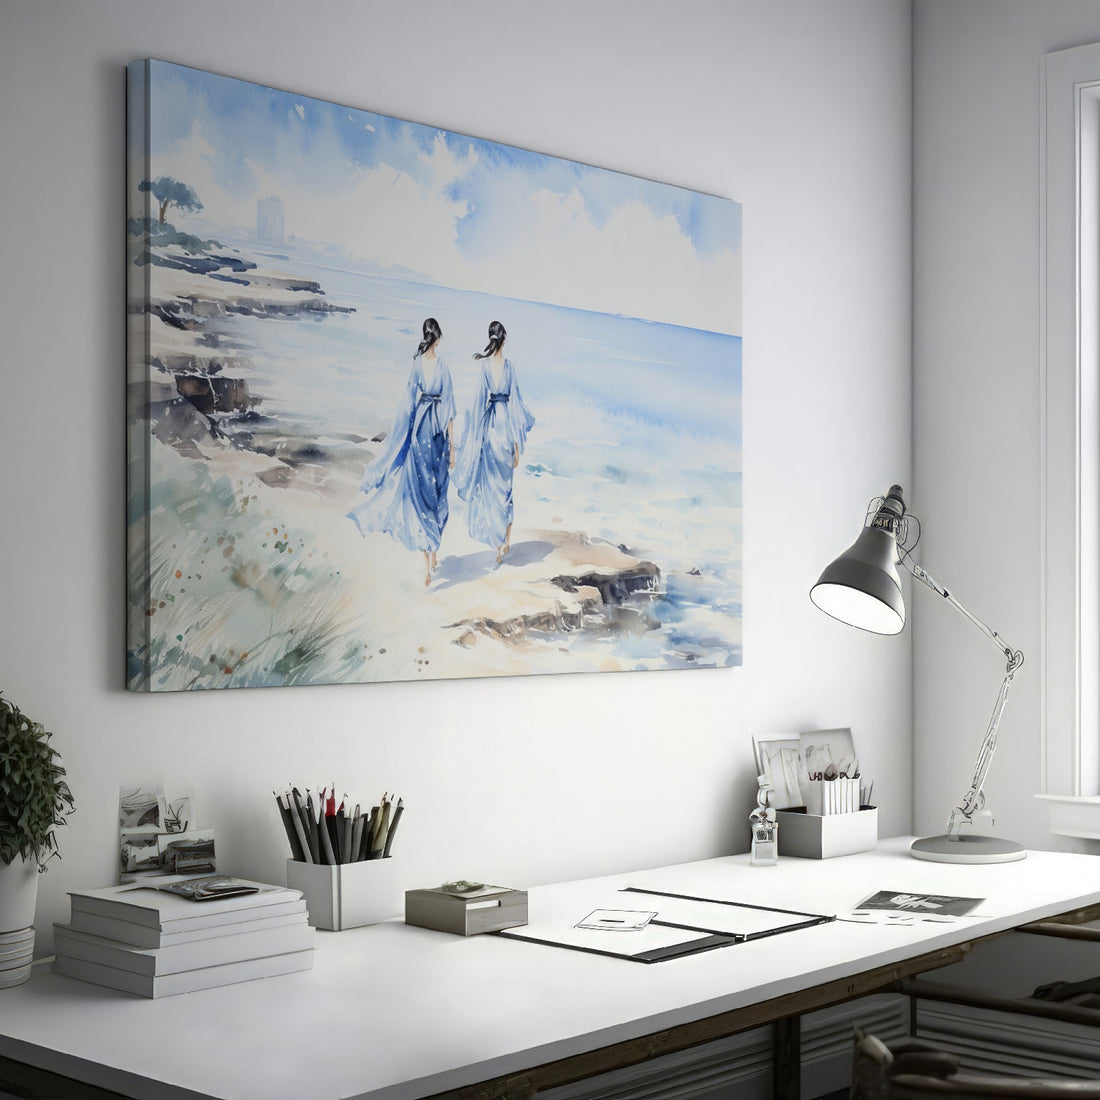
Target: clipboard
(685, 925)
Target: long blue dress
(495, 427)
(406, 485)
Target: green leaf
(34, 797)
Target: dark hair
(496, 339)
(432, 332)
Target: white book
(140, 935)
(168, 985)
(144, 903)
(185, 956)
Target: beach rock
(179, 424)
(214, 394)
(198, 288)
(560, 583)
(277, 477)
(615, 587)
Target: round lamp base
(967, 849)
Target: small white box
(348, 895)
(820, 837)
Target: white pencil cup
(349, 895)
(831, 796)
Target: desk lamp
(862, 588)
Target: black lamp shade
(862, 587)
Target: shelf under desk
(393, 1012)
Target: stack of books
(146, 939)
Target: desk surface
(393, 1012)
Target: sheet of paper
(556, 924)
(617, 920)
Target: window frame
(1070, 422)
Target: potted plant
(34, 800)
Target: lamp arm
(1013, 656)
(974, 798)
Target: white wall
(976, 412)
(800, 110)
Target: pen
(288, 828)
(378, 843)
(372, 831)
(334, 821)
(305, 813)
(364, 851)
(339, 843)
(393, 826)
(347, 852)
(293, 828)
(316, 828)
(326, 833)
(356, 834)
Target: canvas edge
(138, 334)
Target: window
(1070, 395)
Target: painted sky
(456, 210)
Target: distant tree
(171, 192)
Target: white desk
(392, 1012)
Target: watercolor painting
(408, 404)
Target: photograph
(780, 761)
(139, 851)
(177, 815)
(187, 853)
(140, 807)
(940, 905)
(828, 754)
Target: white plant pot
(18, 894)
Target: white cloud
(300, 110)
(385, 215)
(636, 263)
(444, 166)
(192, 160)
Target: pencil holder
(831, 796)
(349, 895)
(821, 836)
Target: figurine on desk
(765, 828)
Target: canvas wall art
(408, 404)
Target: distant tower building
(270, 220)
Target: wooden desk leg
(787, 1058)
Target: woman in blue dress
(494, 437)
(406, 486)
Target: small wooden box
(821, 837)
(486, 910)
(348, 895)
